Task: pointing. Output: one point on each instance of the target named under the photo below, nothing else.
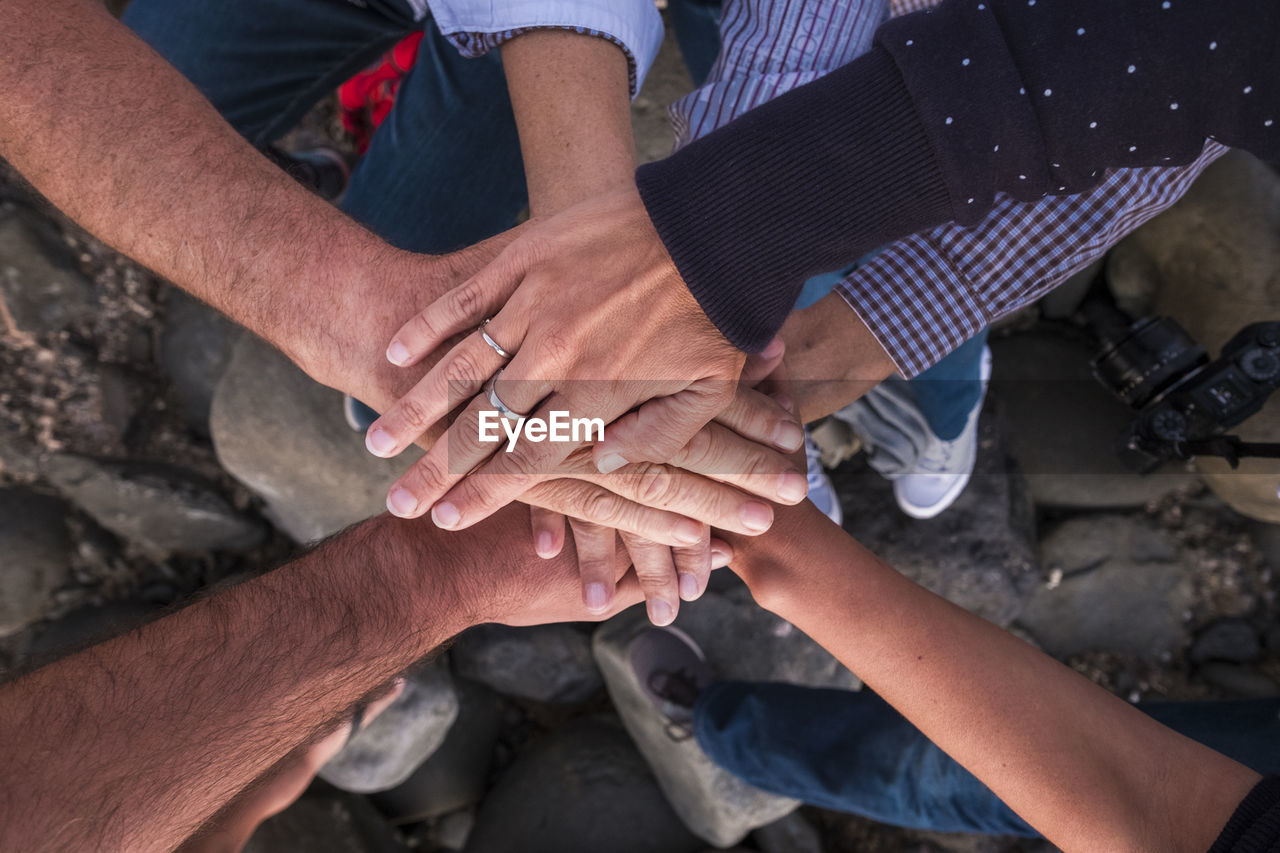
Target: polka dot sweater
(951, 106)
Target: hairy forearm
(121, 142)
(162, 726)
(569, 93)
(1085, 768)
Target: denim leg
(845, 751)
(697, 29)
(264, 63)
(852, 752)
(444, 169)
(947, 392)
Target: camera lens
(1156, 355)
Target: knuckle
(467, 300)
(461, 369)
(602, 507)
(421, 327)
(412, 414)
(426, 478)
(653, 485)
(699, 450)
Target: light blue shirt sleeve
(477, 26)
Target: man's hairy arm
(120, 141)
(133, 744)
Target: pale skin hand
(163, 726)
(641, 340)
(122, 143)
(1086, 769)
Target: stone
(454, 777)
(1121, 585)
(791, 834)
(283, 436)
(1216, 256)
(741, 641)
(19, 456)
(85, 626)
(1231, 640)
(40, 278)
(195, 348)
(331, 821)
(453, 830)
(1239, 681)
(544, 663)
(1062, 425)
(581, 789)
(387, 751)
(980, 553)
(35, 555)
(157, 507)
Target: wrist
(769, 564)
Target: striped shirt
(926, 294)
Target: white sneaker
(821, 491)
(941, 473)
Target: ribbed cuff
(1255, 825)
(799, 186)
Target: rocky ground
(142, 459)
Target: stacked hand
(590, 317)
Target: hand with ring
(656, 507)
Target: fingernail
(610, 462)
(379, 442)
(397, 353)
(660, 613)
(544, 545)
(784, 401)
(774, 349)
(792, 487)
(688, 586)
(445, 515)
(720, 558)
(401, 502)
(687, 532)
(789, 436)
(756, 516)
(595, 597)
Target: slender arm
(1085, 768)
(570, 93)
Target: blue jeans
(444, 169)
(851, 752)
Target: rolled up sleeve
(477, 26)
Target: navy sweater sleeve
(1255, 826)
(951, 106)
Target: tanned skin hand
(162, 727)
(1085, 768)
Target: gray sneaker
(672, 671)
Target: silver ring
(503, 409)
(491, 342)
